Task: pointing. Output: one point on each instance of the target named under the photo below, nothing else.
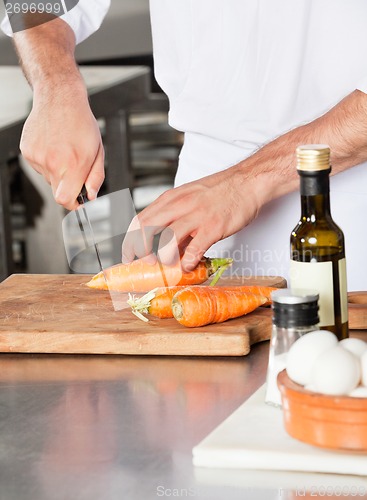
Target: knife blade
(82, 199)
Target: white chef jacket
(239, 73)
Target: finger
(175, 238)
(167, 208)
(127, 247)
(157, 216)
(184, 244)
(69, 180)
(143, 241)
(150, 258)
(138, 241)
(96, 175)
(66, 185)
(195, 250)
(66, 195)
(168, 248)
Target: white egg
(359, 392)
(305, 351)
(355, 346)
(336, 372)
(364, 368)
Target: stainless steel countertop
(123, 427)
(116, 427)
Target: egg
(303, 353)
(359, 392)
(364, 368)
(336, 372)
(355, 346)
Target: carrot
(141, 276)
(158, 302)
(201, 305)
(265, 291)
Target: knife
(82, 199)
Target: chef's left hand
(194, 216)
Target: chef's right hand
(61, 140)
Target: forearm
(46, 54)
(343, 128)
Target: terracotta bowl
(337, 422)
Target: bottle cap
(313, 157)
(294, 308)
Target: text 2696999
(55, 8)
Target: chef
(247, 81)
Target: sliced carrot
(141, 276)
(158, 302)
(202, 305)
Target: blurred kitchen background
(31, 219)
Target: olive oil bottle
(317, 243)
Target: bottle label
(343, 289)
(319, 276)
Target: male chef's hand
(194, 216)
(61, 140)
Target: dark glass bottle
(317, 243)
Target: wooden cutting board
(357, 310)
(59, 314)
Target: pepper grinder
(295, 313)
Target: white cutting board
(253, 437)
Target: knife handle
(82, 196)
